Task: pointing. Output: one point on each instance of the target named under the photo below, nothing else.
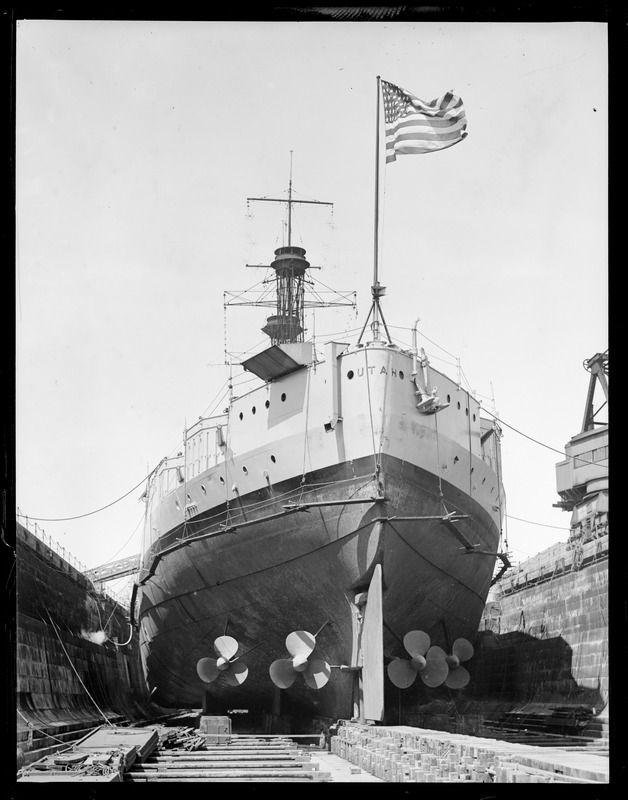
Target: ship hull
(258, 570)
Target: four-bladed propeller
(226, 664)
(300, 645)
(432, 663)
(428, 662)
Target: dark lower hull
(302, 571)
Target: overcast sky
(138, 144)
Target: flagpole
(374, 288)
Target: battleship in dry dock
(335, 527)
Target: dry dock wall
(557, 630)
(541, 654)
(64, 681)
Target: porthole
(448, 399)
(253, 410)
(283, 398)
(204, 490)
(273, 459)
(176, 502)
(401, 375)
(241, 415)
(267, 404)
(245, 470)
(466, 411)
(456, 459)
(189, 498)
(222, 480)
(483, 481)
(458, 406)
(350, 374)
(474, 417)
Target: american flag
(413, 126)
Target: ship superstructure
(343, 503)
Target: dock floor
(359, 754)
(342, 771)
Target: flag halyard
(414, 126)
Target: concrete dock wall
(557, 632)
(76, 658)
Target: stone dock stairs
(241, 759)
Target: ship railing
(206, 424)
(197, 455)
(66, 555)
(172, 462)
(169, 476)
(202, 449)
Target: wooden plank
(223, 764)
(220, 773)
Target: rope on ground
(39, 730)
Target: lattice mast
(290, 265)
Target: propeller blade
(207, 669)
(226, 647)
(417, 643)
(457, 678)
(436, 668)
(401, 673)
(300, 643)
(463, 649)
(317, 673)
(236, 674)
(435, 653)
(282, 673)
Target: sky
(137, 146)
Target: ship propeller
(458, 676)
(315, 671)
(226, 664)
(428, 662)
